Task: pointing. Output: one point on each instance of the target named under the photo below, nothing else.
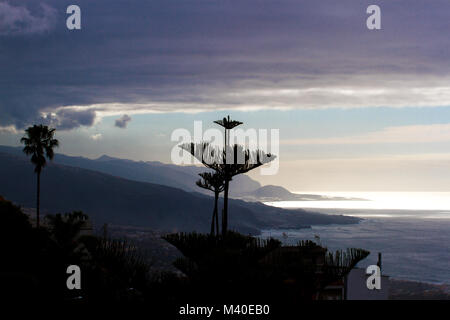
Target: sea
(410, 229)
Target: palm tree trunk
(38, 196)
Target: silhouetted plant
(244, 264)
(118, 270)
(309, 267)
(12, 216)
(39, 143)
(65, 231)
(217, 259)
(342, 262)
(227, 124)
(32, 265)
(243, 161)
(34, 260)
(15, 233)
(215, 183)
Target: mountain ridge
(182, 177)
(110, 199)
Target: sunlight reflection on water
(431, 205)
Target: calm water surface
(412, 230)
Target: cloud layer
(18, 20)
(165, 56)
(401, 134)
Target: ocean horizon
(373, 200)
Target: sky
(357, 109)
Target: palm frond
(39, 143)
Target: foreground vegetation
(35, 260)
(212, 266)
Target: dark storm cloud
(18, 20)
(122, 121)
(66, 119)
(172, 55)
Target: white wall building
(356, 286)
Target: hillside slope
(182, 177)
(120, 201)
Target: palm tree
(215, 183)
(39, 143)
